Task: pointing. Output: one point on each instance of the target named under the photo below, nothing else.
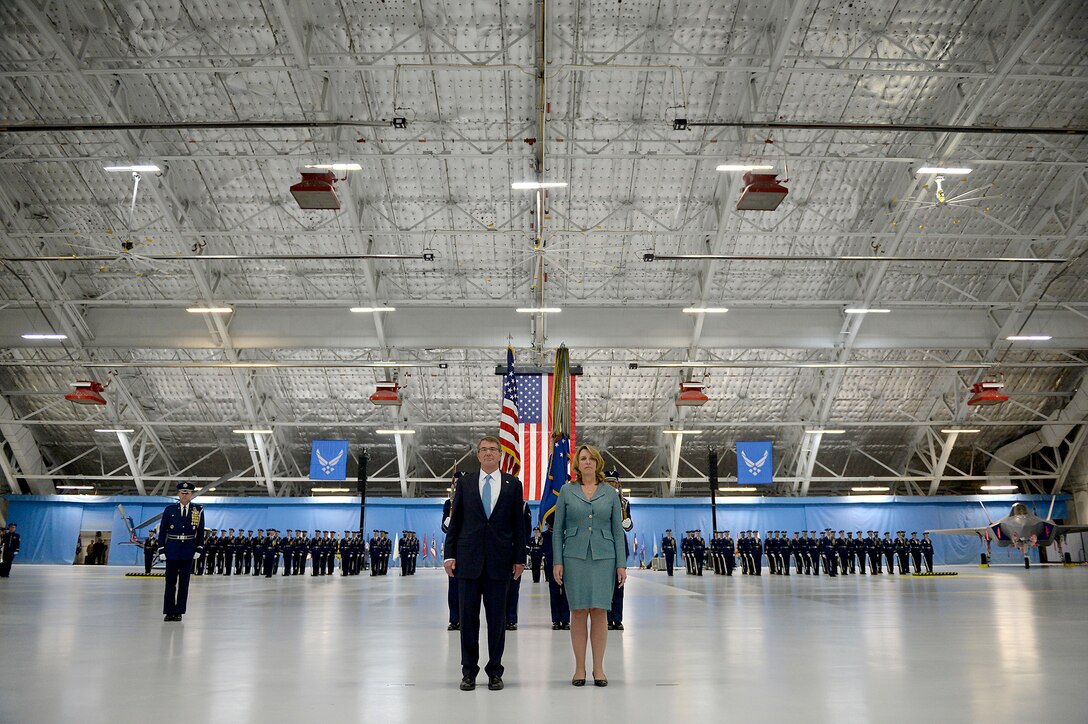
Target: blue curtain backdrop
(50, 525)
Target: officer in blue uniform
(927, 552)
(698, 549)
(860, 552)
(317, 548)
(272, 553)
(183, 542)
(872, 543)
(536, 554)
(887, 547)
(716, 553)
(513, 589)
(151, 549)
(557, 597)
(915, 547)
(668, 549)
(258, 552)
(615, 614)
(729, 553)
(9, 546)
(374, 565)
(902, 552)
(451, 590)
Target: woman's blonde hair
(577, 475)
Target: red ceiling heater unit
(388, 393)
(762, 192)
(87, 392)
(316, 191)
(691, 395)
(987, 393)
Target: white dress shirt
(496, 484)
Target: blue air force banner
(329, 460)
(754, 463)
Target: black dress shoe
(468, 684)
(611, 626)
(617, 627)
(557, 626)
(494, 683)
(453, 627)
(511, 627)
(566, 627)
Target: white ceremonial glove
(446, 522)
(196, 555)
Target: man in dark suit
(183, 542)
(485, 544)
(9, 546)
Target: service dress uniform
(183, 541)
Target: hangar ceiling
(633, 105)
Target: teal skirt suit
(588, 542)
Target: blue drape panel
(50, 525)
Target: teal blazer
(587, 529)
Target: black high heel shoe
(578, 682)
(603, 681)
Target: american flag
(509, 433)
(534, 394)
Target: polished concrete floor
(1003, 644)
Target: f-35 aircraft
(1021, 529)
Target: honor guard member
(926, 547)
(206, 563)
(742, 551)
(812, 560)
(9, 546)
(557, 597)
(287, 550)
(860, 553)
(887, 547)
(757, 552)
(902, 552)
(183, 542)
(386, 551)
(404, 545)
(536, 554)
(769, 545)
(785, 550)
(302, 549)
(825, 553)
(347, 553)
(247, 553)
(715, 553)
(451, 589)
(851, 552)
(271, 553)
(330, 552)
(151, 549)
(874, 553)
(668, 549)
(615, 614)
(842, 552)
(374, 567)
(699, 548)
(221, 553)
(513, 588)
(316, 547)
(258, 553)
(915, 547)
(729, 552)
(239, 552)
(798, 549)
(685, 545)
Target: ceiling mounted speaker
(388, 393)
(691, 395)
(86, 392)
(316, 191)
(762, 192)
(987, 393)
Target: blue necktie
(487, 496)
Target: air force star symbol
(755, 468)
(327, 466)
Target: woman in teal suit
(589, 557)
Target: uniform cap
(185, 485)
(612, 475)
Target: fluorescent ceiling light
(252, 431)
(737, 490)
(871, 490)
(964, 431)
(860, 310)
(209, 310)
(944, 169)
(997, 487)
(742, 167)
(211, 490)
(369, 310)
(75, 487)
(35, 336)
(395, 432)
(1029, 338)
(538, 310)
(146, 168)
(705, 310)
(683, 432)
(113, 429)
(825, 432)
(534, 185)
(330, 490)
(336, 166)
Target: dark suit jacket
(486, 546)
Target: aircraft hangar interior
(801, 286)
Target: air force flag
(329, 460)
(754, 466)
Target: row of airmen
(835, 552)
(226, 553)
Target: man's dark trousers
(492, 592)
